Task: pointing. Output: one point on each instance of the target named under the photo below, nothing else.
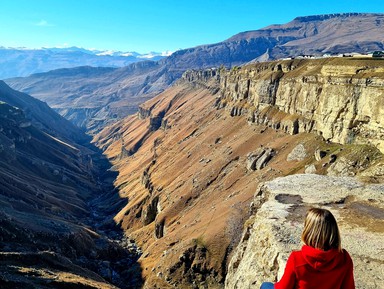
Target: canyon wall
(341, 99)
(55, 229)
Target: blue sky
(150, 25)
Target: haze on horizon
(150, 25)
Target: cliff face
(341, 99)
(192, 158)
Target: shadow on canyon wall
(57, 203)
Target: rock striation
(340, 99)
(274, 228)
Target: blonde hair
(321, 230)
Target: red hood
(322, 260)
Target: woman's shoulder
(346, 256)
(297, 257)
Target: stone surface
(298, 153)
(311, 169)
(274, 230)
(259, 158)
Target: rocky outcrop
(297, 154)
(274, 229)
(259, 158)
(337, 98)
(202, 76)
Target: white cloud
(43, 23)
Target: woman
(321, 263)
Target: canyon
(56, 231)
(191, 176)
(191, 163)
(206, 186)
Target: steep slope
(92, 96)
(41, 115)
(55, 228)
(16, 62)
(191, 160)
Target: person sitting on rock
(321, 263)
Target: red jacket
(311, 268)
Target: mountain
(15, 62)
(98, 96)
(56, 230)
(118, 92)
(310, 35)
(91, 97)
(41, 115)
(219, 169)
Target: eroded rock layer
(341, 99)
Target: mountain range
(92, 97)
(16, 62)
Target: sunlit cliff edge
(341, 99)
(215, 150)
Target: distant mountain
(93, 97)
(310, 35)
(16, 62)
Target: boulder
(297, 154)
(259, 159)
(311, 169)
